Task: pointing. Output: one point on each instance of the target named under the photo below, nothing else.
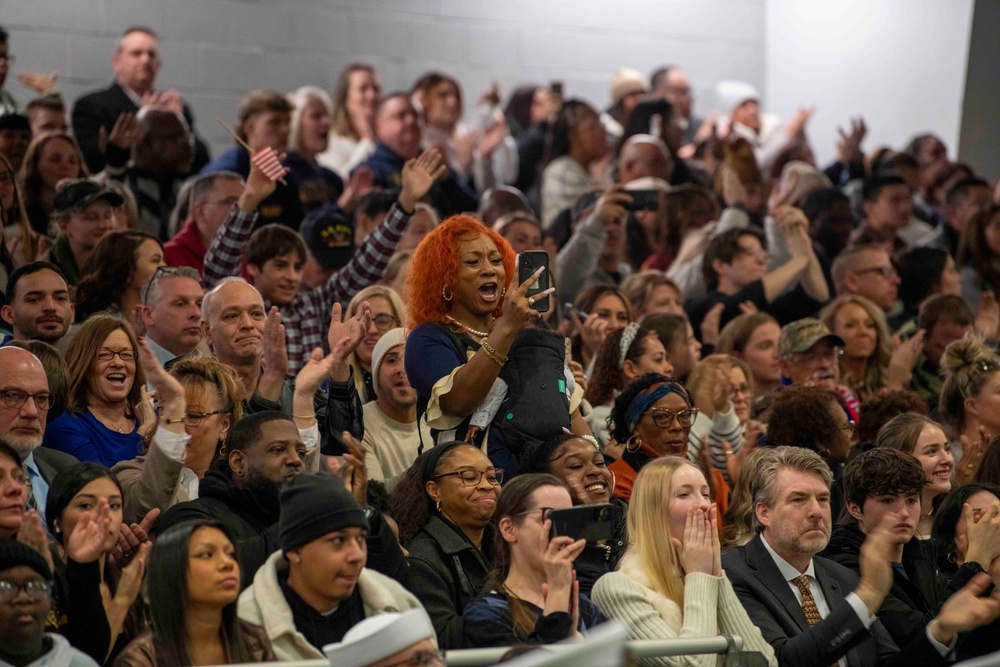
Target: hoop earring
(447, 294)
(504, 292)
(633, 444)
(614, 482)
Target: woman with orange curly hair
(465, 311)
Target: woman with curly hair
(115, 275)
(865, 366)
(625, 355)
(654, 417)
(469, 318)
(814, 418)
(579, 464)
(444, 508)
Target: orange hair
(435, 264)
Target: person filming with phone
(483, 372)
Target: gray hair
(206, 303)
(797, 459)
(152, 291)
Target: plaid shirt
(306, 317)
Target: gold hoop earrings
(447, 294)
(633, 444)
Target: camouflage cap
(801, 335)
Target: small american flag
(267, 161)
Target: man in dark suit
(136, 62)
(815, 612)
(24, 405)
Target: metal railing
(641, 648)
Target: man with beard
(264, 451)
(392, 431)
(38, 303)
(24, 404)
(814, 611)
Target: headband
(628, 337)
(430, 461)
(641, 403)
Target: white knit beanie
(389, 340)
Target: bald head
(23, 386)
(644, 155)
(233, 318)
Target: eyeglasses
(385, 321)
(755, 253)
(15, 398)
(738, 389)
(36, 590)
(884, 271)
(546, 512)
(471, 477)
(128, 356)
(196, 418)
(422, 659)
(851, 426)
(664, 418)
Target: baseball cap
(79, 194)
(801, 335)
(330, 238)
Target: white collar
(788, 571)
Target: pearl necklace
(466, 327)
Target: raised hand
(493, 136)
(168, 389)
(987, 320)
(610, 208)
(86, 543)
(733, 190)
(40, 82)
(32, 534)
(966, 610)
(593, 330)
(797, 126)
(419, 174)
(314, 372)
(258, 188)
(875, 561)
(710, 324)
(558, 554)
(344, 337)
(361, 182)
(517, 311)
(275, 356)
(849, 143)
(125, 131)
(350, 468)
(983, 535)
(131, 537)
(904, 360)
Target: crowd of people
(349, 403)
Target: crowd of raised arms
(334, 392)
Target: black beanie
(13, 553)
(313, 505)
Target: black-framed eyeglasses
(36, 589)
(546, 512)
(127, 356)
(472, 477)
(196, 418)
(422, 659)
(664, 418)
(739, 389)
(384, 322)
(15, 398)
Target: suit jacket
(101, 109)
(773, 608)
(51, 462)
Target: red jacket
(186, 248)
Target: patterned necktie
(30, 505)
(808, 601)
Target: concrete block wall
(215, 50)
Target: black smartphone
(643, 200)
(527, 263)
(589, 522)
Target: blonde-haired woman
(387, 313)
(970, 400)
(670, 582)
(868, 363)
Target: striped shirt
(307, 316)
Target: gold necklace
(466, 327)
